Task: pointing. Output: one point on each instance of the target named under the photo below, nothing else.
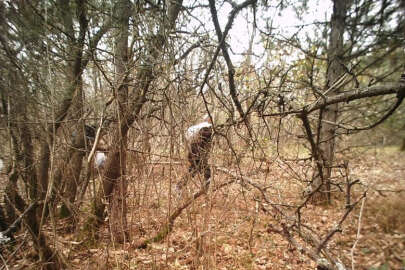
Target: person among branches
(100, 156)
(198, 142)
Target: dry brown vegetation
(228, 229)
(302, 177)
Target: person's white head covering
(191, 131)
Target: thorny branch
(330, 262)
(221, 39)
(18, 220)
(338, 226)
(354, 94)
(168, 227)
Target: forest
(190, 134)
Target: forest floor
(227, 229)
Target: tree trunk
(330, 114)
(74, 165)
(75, 69)
(12, 200)
(117, 200)
(33, 169)
(118, 203)
(113, 172)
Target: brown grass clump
(389, 213)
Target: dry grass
(226, 230)
(388, 213)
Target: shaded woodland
(305, 168)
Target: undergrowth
(388, 212)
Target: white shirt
(99, 160)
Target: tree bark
(142, 81)
(117, 201)
(33, 168)
(75, 69)
(74, 166)
(329, 114)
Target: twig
(252, 227)
(164, 163)
(337, 84)
(354, 94)
(358, 232)
(168, 227)
(330, 263)
(4, 262)
(221, 39)
(337, 228)
(96, 140)
(15, 251)
(18, 220)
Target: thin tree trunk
(330, 114)
(143, 79)
(74, 166)
(117, 200)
